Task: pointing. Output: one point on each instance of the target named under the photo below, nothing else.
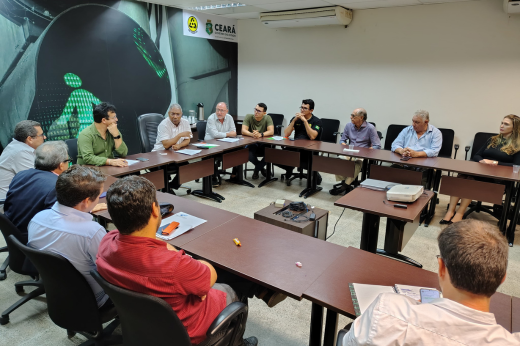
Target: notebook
(379, 185)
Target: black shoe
(255, 174)
(446, 222)
(215, 182)
(250, 341)
(319, 179)
(338, 190)
(264, 173)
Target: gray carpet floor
(287, 323)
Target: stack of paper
(132, 162)
(186, 222)
(188, 151)
(230, 140)
(205, 145)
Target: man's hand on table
(117, 162)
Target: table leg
(514, 220)
(369, 232)
(433, 202)
(312, 180)
(269, 177)
(331, 328)
(394, 230)
(502, 224)
(166, 179)
(207, 191)
(239, 178)
(364, 169)
(316, 325)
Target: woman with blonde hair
(502, 149)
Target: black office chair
(391, 134)
(3, 267)
(302, 174)
(446, 151)
(147, 128)
(379, 134)
(330, 130)
(162, 326)
(19, 264)
(341, 335)
(70, 301)
(201, 130)
(72, 145)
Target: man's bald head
(221, 110)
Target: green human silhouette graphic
(77, 113)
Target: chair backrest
(145, 319)
(70, 301)
(373, 124)
(391, 134)
(147, 128)
(479, 141)
(330, 127)
(17, 260)
(201, 129)
(277, 121)
(447, 143)
(72, 145)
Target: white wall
(460, 61)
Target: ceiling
(254, 7)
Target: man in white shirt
(220, 124)
(19, 154)
(472, 264)
(173, 132)
(67, 228)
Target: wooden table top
(353, 265)
(298, 143)
(268, 254)
(371, 201)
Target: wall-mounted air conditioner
(512, 6)
(335, 15)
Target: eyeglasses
(114, 117)
(221, 110)
(256, 110)
(304, 109)
(69, 160)
(439, 256)
(42, 135)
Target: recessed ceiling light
(214, 7)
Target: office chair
(301, 170)
(70, 301)
(201, 129)
(341, 335)
(162, 326)
(3, 267)
(379, 134)
(391, 134)
(19, 264)
(72, 145)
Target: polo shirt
(16, 157)
(364, 137)
(72, 234)
(215, 129)
(260, 126)
(145, 265)
(299, 127)
(30, 192)
(168, 130)
(94, 150)
(430, 142)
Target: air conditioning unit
(512, 6)
(334, 15)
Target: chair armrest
(341, 335)
(2, 201)
(227, 315)
(336, 133)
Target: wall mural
(64, 57)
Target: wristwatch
(118, 136)
(262, 135)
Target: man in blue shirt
(67, 228)
(420, 139)
(360, 134)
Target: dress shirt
(364, 137)
(394, 319)
(430, 142)
(167, 130)
(72, 234)
(215, 129)
(16, 157)
(94, 150)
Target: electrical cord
(334, 231)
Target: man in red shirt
(131, 257)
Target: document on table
(277, 138)
(205, 145)
(186, 222)
(229, 140)
(188, 151)
(132, 162)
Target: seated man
(67, 228)
(421, 139)
(19, 154)
(97, 142)
(360, 134)
(173, 132)
(131, 257)
(305, 126)
(34, 189)
(472, 264)
(259, 125)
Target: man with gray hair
(220, 124)
(471, 266)
(173, 132)
(421, 139)
(19, 154)
(34, 189)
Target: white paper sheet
(351, 150)
(366, 294)
(229, 140)
(188, 151)
(277, 138)
(205, 145)
(186, 222)
(413, 292)
(132, 162)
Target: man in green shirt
(259, 125)
(97, 142)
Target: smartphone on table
(428, 295)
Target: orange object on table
(172, 227)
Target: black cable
(336, 224)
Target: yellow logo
(193, 24)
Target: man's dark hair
(475, 254)
(101, 111)
(77, 183)
(309, 102)
(24, 129)
(130, 201)
(261, 104)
